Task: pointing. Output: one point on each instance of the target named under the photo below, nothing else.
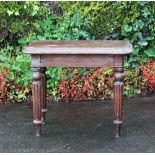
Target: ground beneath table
(80, 127)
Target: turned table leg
(118, 98)
(43, 94)
(37, 101)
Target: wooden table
(73, 53)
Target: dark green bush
(18, 19)
(51, 27)
(22, 22)
(141, 33)
(109, 17)
(134, 21)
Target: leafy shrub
(141, 33)
(18, 19)
(86, 83)
(93, 83)
(108, 17)
(68, 28)
(3, 85)
(135, 84)
(80, 20)
(121, 20)
(104, 16)
(148, 72)
(18, 75)
(52, 27)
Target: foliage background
(22, 22)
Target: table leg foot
(38, 130)
(43, 119)
(118, 130)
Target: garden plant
(23, 22)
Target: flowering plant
(3, 84)
(89, 84)
(148, 72)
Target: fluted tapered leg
(37, 101)
(118, 98)
(43, 94)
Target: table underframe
(39, 62)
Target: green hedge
(22, 22)
(121, 20)
(41, 25)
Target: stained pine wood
(66, 60)
(79, 47)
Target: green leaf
(127, 28)
(143, 43)
(150, 37)
(17, 13)
(150, 52)
(9, 12)
(3, 58)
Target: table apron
(76, 60)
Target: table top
(79, 47)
